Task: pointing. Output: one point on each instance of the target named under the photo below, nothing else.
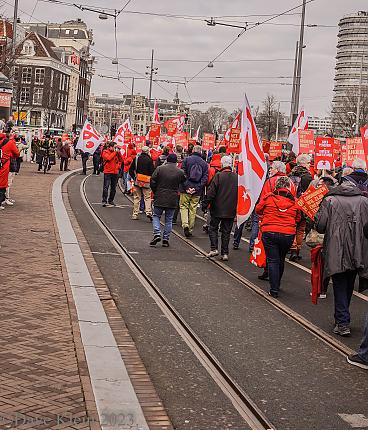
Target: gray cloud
(185, 39)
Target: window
(75, 31)
(35, 118)
(37, 96)
(25, 95)
(67, 31)
(26, 75)
(52, 79)
(39, 76)
(16, 74)
(28, 48)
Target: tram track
(286, 310)
(247, 409)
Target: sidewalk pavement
(44, 380)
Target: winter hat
(226, 161)
(172, 158)
(145, 149)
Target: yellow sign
(22, 116)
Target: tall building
(352, 49)
(75, 38)
(320, 125)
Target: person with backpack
(342, 217)
(141, 171)
(301, 178)
(215, 166)
(8, 150)
(196, 173)
(358, 176)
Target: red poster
(337, 149)
(5, 99)
(165, 139)
(306, 141)
(208, 141)
(266, 146)
(364, 132)
(181, 139)
(128, 137)
(310, 201)
(139, 141)
(275, 150)
(324, 154)
(234, 141)
(354, 149)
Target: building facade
(320, 125)
(351, 63)
(75, 39)
(107, 111)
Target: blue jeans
(343, 286)
(276, 246)
(110, 181)
(363, 350)
(169, 215)
(255, 229)
(238, 234)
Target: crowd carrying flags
(301, 123)
(252, 167)
(89, 139)
(120, 133)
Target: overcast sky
(192, 39)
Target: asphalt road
(296, 379)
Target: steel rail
(247, 409)
(286, 310)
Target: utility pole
(300, 60)
(277, 122)
(359, 99)
(152, 70)
(131, 105)
(15, 23)
(293, 93)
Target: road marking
(105, 253)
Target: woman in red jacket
(8, 150)
(279, 216)
(112, 160)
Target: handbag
(314, 238)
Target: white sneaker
(212, 253)
(323, 296)
(9, 202)
(12, 200)
(2, 207)
(225, 257)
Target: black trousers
(84, 163)
(225, 224)
(64, 163)
(96, 164)
(2, 195)
(110, 181)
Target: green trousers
(188, 209)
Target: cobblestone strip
(152, 407)
(40, 383)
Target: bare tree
(344, 112)
(266, 120)
(217, 117)
(199, 118)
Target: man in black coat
(141, 171)
(222, 196)
(165, 183)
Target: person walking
(196, 172)
(222, 200)
(97, 160)
(165, 183)
(279, 217)
(301, 178)
(141, 171)
(63, 151)
(112, 161)
(341, 217)
(84, 157)
(8, 150)
(214, 167)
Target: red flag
(90, 139)
(301, 123)
(252, 167)
(258, 255)
(235, 124)
(175, 125)
(120, 133)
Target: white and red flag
(120, 132)
(234, 124)
(252, 167)
(301, 123)
(175, 125)
(89, 139)
(156, 116)
(196, 136)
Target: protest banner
(266, 146)
(208, 141)
(364, 133)
(354, 149)
(89, 139)
(139, 142)
(306, 141)
(234, 141)
(311, 199)
(324, 153)
(275, 150)
(181, 139)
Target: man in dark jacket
(301, 178)
(141, 171)
(165, 183)
(196, 173)
(341, 218)
(222, 197)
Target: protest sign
(275, 150)
(311, 199)
(324, 153)
(234, 141)
(208, 141)
(306, 141)
(354, 149)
